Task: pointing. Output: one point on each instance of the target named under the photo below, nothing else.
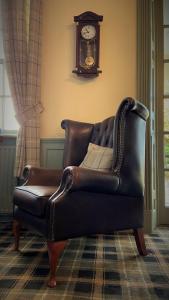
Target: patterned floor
(97, 267)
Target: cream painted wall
(64, 94)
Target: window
(8, 122)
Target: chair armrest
(76, 178)
(41, 176)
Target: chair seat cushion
(33, 199)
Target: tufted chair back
(78, 135)
(102, 133)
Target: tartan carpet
(94, 267)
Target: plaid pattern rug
(95, 267)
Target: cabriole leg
(54, 250)
(140, 242)
(16, 233)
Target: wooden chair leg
(54, 250)
(140, 242)
(16, 233)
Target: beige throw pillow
(98, 158)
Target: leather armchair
(73, 202)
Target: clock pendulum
(89, 61)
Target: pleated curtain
(22, 45)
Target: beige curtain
(22, 44)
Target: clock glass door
(87, 53)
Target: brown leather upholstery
(103, 133)
(72, 202)
(78, 135)
(33, 198)
(40, 176)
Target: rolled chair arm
(76, 178)
(41, 176)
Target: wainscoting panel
(7, 160)
(52, 153)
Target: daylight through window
(8, 122)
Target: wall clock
(87, 44)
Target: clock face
(88, 32)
